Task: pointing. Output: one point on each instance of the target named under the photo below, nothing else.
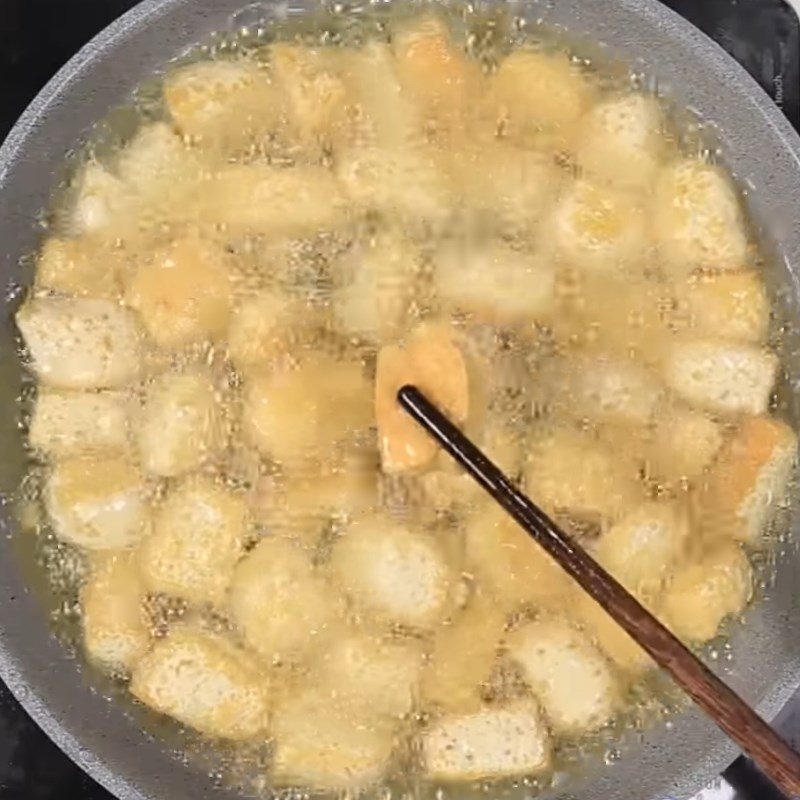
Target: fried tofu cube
(607, 634)
(70, 423)
(376, 287)
(100, 202)
(392, 572)
(79, 266)
(181, 425)
(608, 389)
(706, 591)
(226, 104)
(257, 335)
(404, 181)
(749, 480)
(492, 743)
(622, 140)
(539, 97)
(568, 675)
(115, 627)
(432, 362)
(197, 538)
(279, 602)
(722, 377)
(568, 471)
(613, 315)
(726, 305)
(387, 116)
(477, 280)
(80, 343)
(315, 94)
(509, 565)
(272, 201)
(183, 294)
(597, 228)
(293, 413)
(204, 681)
(338, 491)
(512, 185)
(368, 670)
(154, 162)
(697, 218)
(642, 548)
(97, 502)
(436, 74)
(463, 655)
(684, 444)
(325, 745)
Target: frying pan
(758, 145)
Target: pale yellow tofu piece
(622, 140)
(597, 228)
(392, 572)
(706, 591)
(407, 181)
(539, 98)
(70, 423)
(387, 116)
(697, 218)
(375, 288)
(98, 502)
(512, 185)
(463, 655)
(571, 678)
(221, 103)
(307, 496)
(365, 669)
(341, 491)
(272, 201)
(503, 445)
(479, 280)
(568, 471)
(314, 94)
(433, 363)
(293, 413)
(726, 305)
(509, 565)
(181, 424)
(642, 549)
(153, 165)
(81, 343)
(101, 203)
(258, 334)
(749, 480)
(720, 376)
(282, 606)
(205, 682)
(684, 444)
(326, 745)
(80, 266)
(436, 74)
(609, 389)
(197, 538)
(183, 293)
(115, 626)
(449, 489)
(607, 634)
(621, 315)
(494, 742)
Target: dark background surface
(38, 36)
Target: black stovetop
(38, 36)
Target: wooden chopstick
(735, 717)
